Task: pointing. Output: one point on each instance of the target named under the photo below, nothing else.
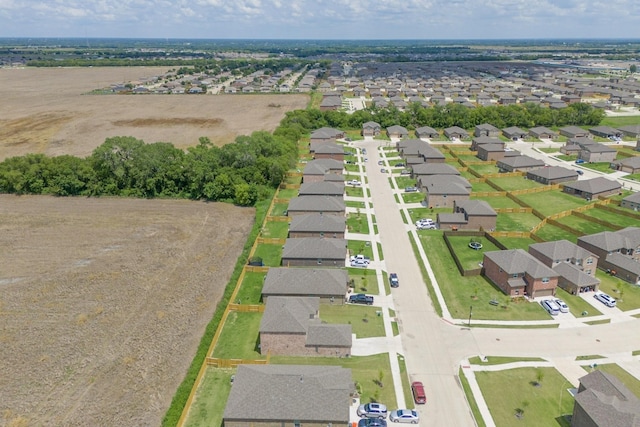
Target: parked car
(365, 159)
(564, 308)
(424, 221)
(372, 410)
(393, 280)
(426, 226)
(364, 151)
(417, 389)
(411, 189)
(579, 172)
(372, 422)
(358, 263)
(405, 172)
(359, 257)
(606, 299)
(383, 170)
(550, 306)
(380, 162)
(579, 161)
(404, 416)
(400, 165)
(354, 182)
(362, 299)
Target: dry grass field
(103, 303)
(49, 110)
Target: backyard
(239, 337)
(511, 183)
(250, 291)
(470, 259)
(552, 202)
(516, 221)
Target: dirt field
(48, 111)
(103, 303)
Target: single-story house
(518, 273)
(469, 215)
(289, 395)
(314, 252)
(456, 132)
(542, 132)
(632, 201)
(291, 326)
(326, 134)
(330, 102)
(317, 225)
(552, 175)
(329, 150)
(328, 284)
(423, 169)
(396, 131)
(574, 132)
(444, 190)
(575, 265)
(426, 132)
(486, 129)
(519, 163)
(619, 252)
(603, 400)
(632, 130)
(327, 205)
(370, 129)
(315, 170)
(322, 188)
(597, 153)
(405, 143)
(606, 132)
(590, 189)
(514, 133)
(629, 165)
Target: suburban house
(629, 165)
(327, 205)
(469, 215)
(486, 129)
(315, 170)
(632, 201)
(590, 189)
(328, 150)
(370, 129)
(483, 140)
(495, 152)
(426, 132)
(322, 188)
(574, 132)
(415, 148)
(593, 153)
(632, 130)
(552, 175)
(291, 326)
(575, 265)
(444, 190)
(518, 273)
(424, 169)
(396, 131)
(602, 400)
(574, 145)
(514, 133)
(326, 134)
(328, 284)
(606, 132)
(330, 102)
(619, 252)
(518, 163)
(289, 395)
(406, 143)
(317, 225)
(456, 132)
(314, 252)
(542, 132)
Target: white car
(354, 182)
(359, 264)
(606, 299)
(424, 221)
(404, 416)
(564, 308)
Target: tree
(245, 194)
(633, 68)
(539, 377)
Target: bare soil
(103, 303)
(50, 111)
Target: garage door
(544, 293)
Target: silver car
(372, 410)
(404, 416)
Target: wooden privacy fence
(271, 241)
(278, 201)
(518, 234)
(292, 174)
(514, 210)
(598, 221)
(488, 194)
(256, 269)
(285, 186)
(247, 308)
(503, 174)
(536, 190)
(233, 363)
(279, 218)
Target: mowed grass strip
(499, 202)
(470, 258)
(507, 390)
(550, 233)
(613, 217)
(365, 371)
(516, 242)
(516, 222)
(271, 254)
(364, 321)
(250, 291)
(239, 337)
(416, 197)
(357, 223)
(487, 169)
(211, 398)
(552, 201)
(583, 225)
(275, 230)
(501, 360)
(511, 183)
(627, 295)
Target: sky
(322, 19)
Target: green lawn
(460, 292)
(250, 291)
(613, 218)
(406, 382)
(352, 168)
(364, 280)
(516, 242)
(471, 399)
(499, 202)
(566, 157)
(275, 229)
(516, 221)
(413, 197)
(507, 390)
(583, 225)
(500, 360)
(271, 254)
(364, 321)
(604, 167)
(619, 121)
(239, 337)
(287, 193)
(464, 174)
(405, 181)
(468, 158)
(357, 223)
(469, 258)
(511, 183)
(576, 304)
(485, 169)
(279, 209)
(630, 297)
(634, 177)
(355, 204)
(631, 382)
(365, 372)
(353, 191)
(418, 213)
(552, 202)
(477, 187)
(357, 247)
(550, 233)
(211, 398)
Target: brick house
(552, 175)
(574, 132)
(519, 163)
(494, 152)
(314, 252)
(370, 129)
(486, 129)
(328, 284)
(317, 225)
(444, 190)
(483, 140)
(315, 396)
(631, 202)
(326, 205)
(518, 273)
(605, 132)
(396, 131)
(469, 215)
(427, 132)
(594, 153)
(291, 326)
(315, 170)
(322, 188)
(426, 169)
(329, 150)
(618, 252)
(542, 132)
(591, 189)
(456, 132)
(514, 133)
(629, 165)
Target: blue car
(579, 161)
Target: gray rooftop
(321, 188)
(476, 207)
(554, 172)
(611, 241)
(317, 204)
(607, 401)
(562, 250)
(329, 335)
(315, 248)
(317, 222)
(434, 169)
(277, 393)
(625, 262)
(516, 261)
(594, 185)
(574, 275)
(305, 281)
(289, 314)
(521, 162)
(634, 198)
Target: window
(322, 234)
(515, 276)
(545, 280)
(319, 261)
(588, 272)
(589, 261)
(517, 292)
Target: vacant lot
(103, 303)
(49, 111)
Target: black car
(393, 280)
(399, 165)
(361, 299)
(372, 422)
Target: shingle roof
(521, 162)
(624, 262)
(329, 148)
(440, 180)
(315, 247)
(317, 222)
(317, 204)
(289, 314)
(598, 148)
(434, 169)
(634, 198)
(329, 335)
(518, 261)
(607, 401)
(553, 172)
(322, 166)
(321, 188)
(541, 130)
(633, 162)
(594, 186)
(276, 393)
(574, 275)
(305, 281)
(561, 250)
(476, 207)
(611, 241)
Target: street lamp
(470, 313)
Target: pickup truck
(361, 299)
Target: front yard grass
(552, 202)
(352, 168)
(460, 292)
(353, 191)
(360, 247)
(604, 167)
(416, 197)
(250, 291)
(419, 213)
(355, 204)
(275, 229)
(271, 254)
(404, 181)
(364, 321)
(508, 390)
(550, 233)
(365, 372)
(239, 337)
(500, 360)
(576, 304)
(364, 281)
(470, 258)
(627, 295)
(516, 221)
(211, 398)
(583, 225)
(357, 223)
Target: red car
(418, 392)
